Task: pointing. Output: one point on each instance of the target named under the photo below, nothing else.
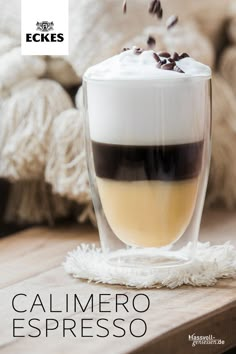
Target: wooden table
(31, 264)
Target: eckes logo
(41, 37)
(44, 28)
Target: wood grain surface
(31, 264)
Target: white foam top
(135, 66)
(132, 102)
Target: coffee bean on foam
(164, 54)
(156, 57)
(168, 66)
(184, 55)
(176, 68)
(175, 56)
(138, 50)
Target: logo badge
(40, 37)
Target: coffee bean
(154, 6)
(168, 66)
(176, 68)
(175, 56)
(157, 7)
(124, 6)
(151, 6)
(164, 61)
(151, 42)
(160, 14)
(156, 57)
(164, 54)
(184, 55)
(171, 21)
(138, 50)
(171, 60)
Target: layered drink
(147, 128)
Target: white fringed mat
(210, 264)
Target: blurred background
(43, 176)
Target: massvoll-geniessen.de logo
(44, 27)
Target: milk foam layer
(129, 65)
(132, 102)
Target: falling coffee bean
(151, 42)
(160, 14)
(171, 21)
(154, 7)
(157, 7)
(124, 6)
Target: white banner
(44, 27)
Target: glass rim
(186, 78)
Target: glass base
(147, 258)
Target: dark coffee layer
(138, 163)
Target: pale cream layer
(148, 213)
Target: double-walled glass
(148, 154)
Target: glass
(148, 155)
